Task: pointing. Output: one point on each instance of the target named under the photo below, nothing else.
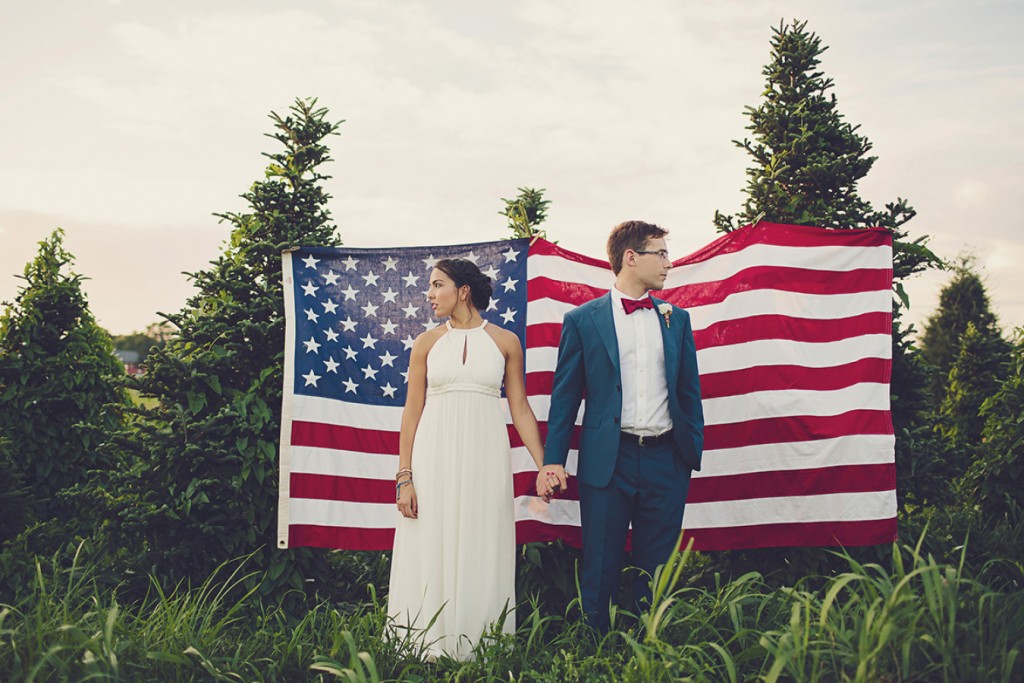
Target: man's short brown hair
(630, 235)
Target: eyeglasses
(662, 253)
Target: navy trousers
(648, 489)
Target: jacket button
(616, 420)
(618, 387)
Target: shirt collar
(618, 296)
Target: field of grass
(914, 620)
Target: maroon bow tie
(630, 305)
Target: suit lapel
(601, 317)
(670, 345)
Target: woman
(454, 556)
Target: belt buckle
(640, 440)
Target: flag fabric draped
(793, 332)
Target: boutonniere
(666, 312)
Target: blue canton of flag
(358, 311)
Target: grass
(916, 619)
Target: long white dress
(457, 560)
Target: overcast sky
(130, 124)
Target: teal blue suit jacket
(588, 364)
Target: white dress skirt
(456, 562)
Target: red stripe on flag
(792, 429)
(848, 534)
(332, 487)
(796, 377)
(776, 278)
(574, 293)
(784, 279)
(772, 484)
(764, 378)
(347, 537)
(320, 435)
(780, 483)
(780, 235)
(758, 327)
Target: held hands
(551, 479)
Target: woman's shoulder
(425, 340)
(502, 337)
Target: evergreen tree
(974, 377)
(200, 475)
(963, 302)
(59, 390)
(995, 479)
(808, 159)
(526, 212)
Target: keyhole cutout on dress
(465, 349)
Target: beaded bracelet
(398, 488)
(404, 470)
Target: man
(634, 359)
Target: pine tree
(808, 159)
(201, 467)
(962, 303)
(59, 390)
(974, 377)
(526, 212)
(995, 480)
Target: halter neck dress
(457, 560)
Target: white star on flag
(312, 346)
(311, 262)
(389, 390)
(330, 306)
(331, 278)
(331, 335)
(310, 289)
(368, 342)
(411, 280)
(390, 264)
(350, 263)
(350, 386)
(369, 373)
(332, 365)
(510, 285)
(387, 359)
(370, 310)
(311, 378)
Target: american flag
(793, 332)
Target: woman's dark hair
(465, 272)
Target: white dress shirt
(642, 368)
